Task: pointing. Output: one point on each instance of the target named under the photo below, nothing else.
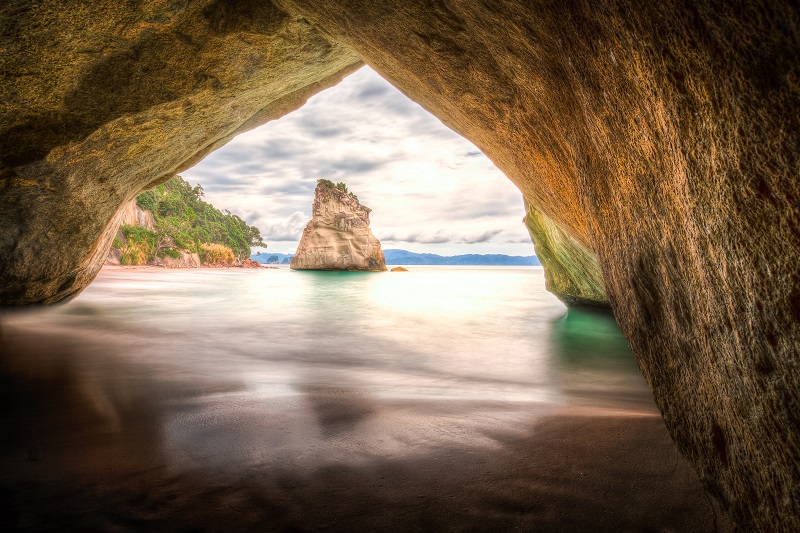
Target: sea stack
(338, 236)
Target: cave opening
(651, 141)
(430, 190)
(351, 394)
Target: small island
(338, 236)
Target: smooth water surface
(308, 386)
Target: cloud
(373, 90)
(486, 236)
(440, 237)
(288, 229)
(357, 166)
(418, 237)
(274, 188)
(415, 173)
(320, 128)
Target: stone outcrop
(185, 259)
(338, 236)
(571, 271)
(133, 215)
(662, 138)
(102, 101)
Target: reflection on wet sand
(107, 429)
(97, 442)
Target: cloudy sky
(430, 190)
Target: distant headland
(404, 257)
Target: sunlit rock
(338, 236)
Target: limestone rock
(571, 271)
(133, 215)
(103, 100)
(338, 236)
(399, 269)
(661, 137)
(249, 263)
(186, 260)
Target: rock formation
(338, 236)
(657, 145)
(104, 101)
(133, 215)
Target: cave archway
(662, 138)
(430, 190)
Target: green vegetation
(216, 254)
(184, 221)
(341, 186)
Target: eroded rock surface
(661, 137)
(338, 236)
(101, 100)
(664, 137)
(571, 271)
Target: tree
(182, 215)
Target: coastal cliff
(338, 236)
(172, 226)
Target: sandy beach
(93, 456)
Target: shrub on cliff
(340, 186)
(138, 246)
(216, 254)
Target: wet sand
(96, 441)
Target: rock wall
(571, 271)
(338, 236)
(661, 137)
(664, 137)
(102, 100)
(133, 215)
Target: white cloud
(288, 229)
(430, 189)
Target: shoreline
(181, 412)
(157, 268)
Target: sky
(430, 190)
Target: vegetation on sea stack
(341, 186)
(184, 221)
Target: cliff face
(338, 236)
(133, 215)
(571, 270)
(660, 140)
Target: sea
(297, 400)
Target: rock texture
(661, 137)
(664, 137)
(101, 100)
(133, 215)
(570, 269)
(338, 236)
